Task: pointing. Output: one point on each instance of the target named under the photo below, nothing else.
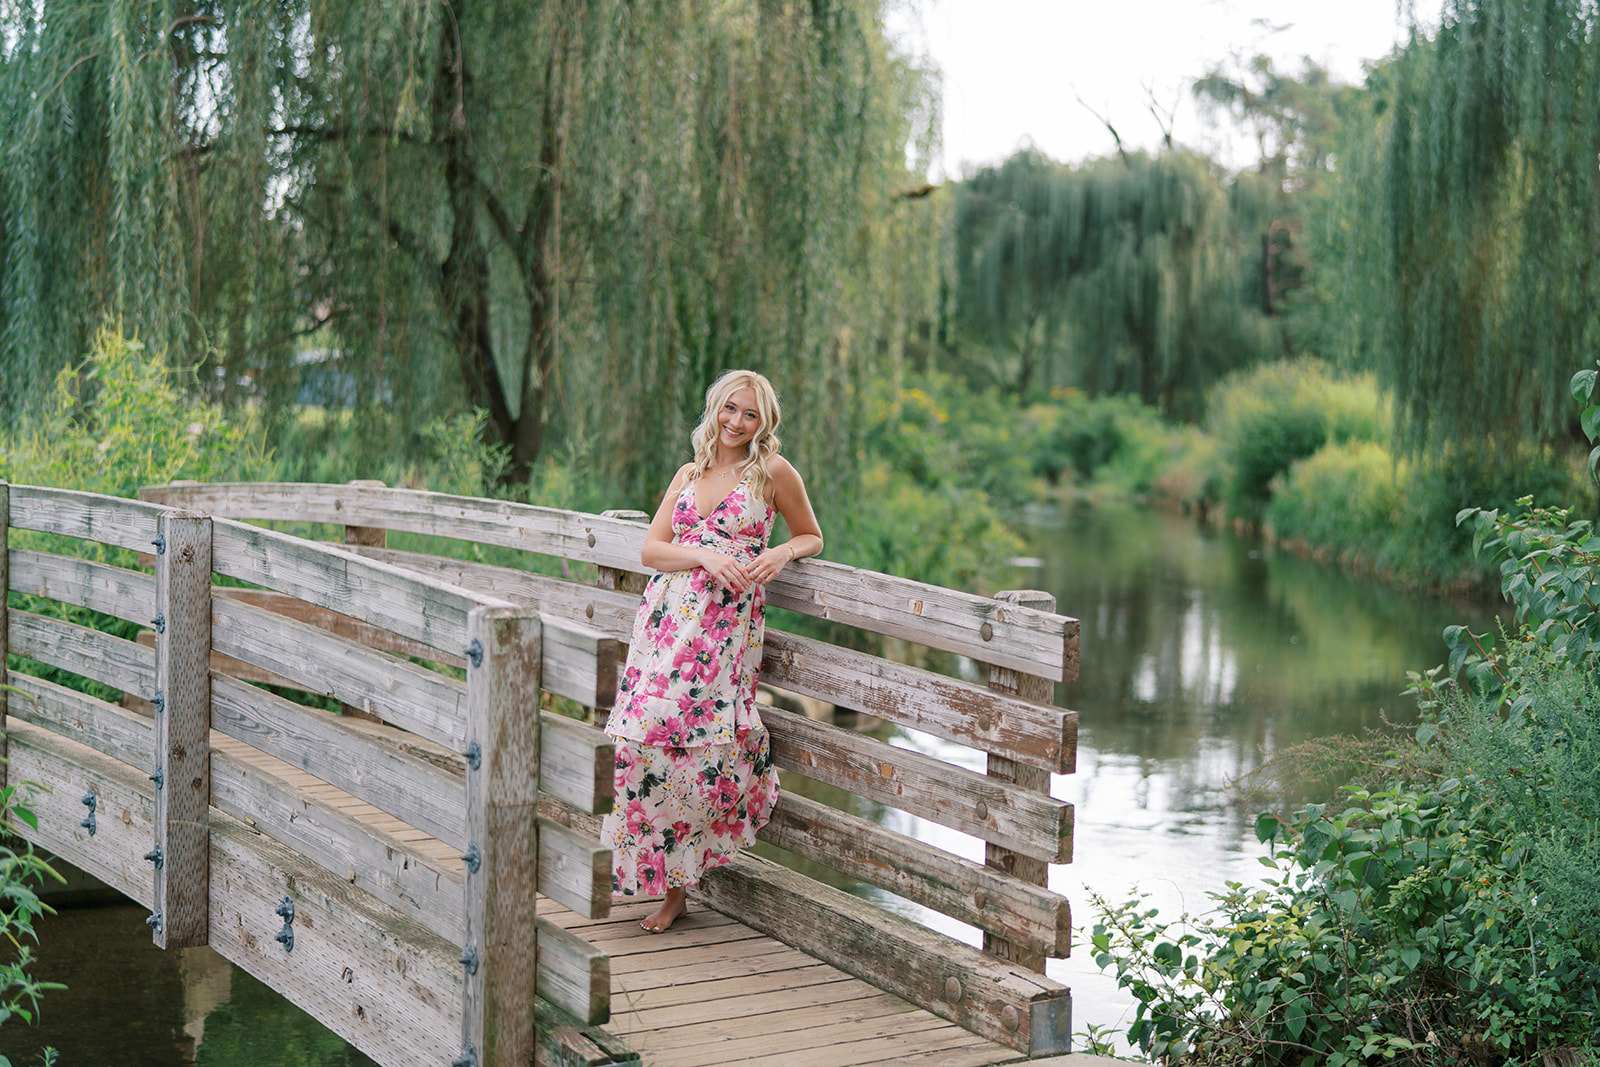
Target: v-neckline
(694, 497)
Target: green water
(1203, 653)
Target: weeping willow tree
(1131, 275)
(569, 214)
(1491, 209)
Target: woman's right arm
(661, 553)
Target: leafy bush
(449, 454)
(1271, 415)
(20, 907)
(1404, 928)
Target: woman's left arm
(805, 535)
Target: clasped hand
(741, 576)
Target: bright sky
(1014, 69)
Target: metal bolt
(160, 622)
(155, 856)
(474, 755)
(87, 822)
(285, 937)
(161, 544)
(468, 1057)
(154, 921)
(473, 857)
(160, 702)
(469, 959)
(986, 632)
(475, 653)
(158, 778)
(285, 911)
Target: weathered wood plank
(351, 629)
(183, 729)
(111, 520)
(1000, 1001)
(97, 586)
(576, 763)
(1029, 869)
(581, 985)
(322, 744)
(1026, 914)
(426, 611)
(502, 796)
(564, 1042)
(929, 615)
(90, 653)
(124, 811)
(1028, 731)
(419, 700)
(926, 787)
(574, 871)
(82, 718)
(385, 984)
(1031, 732)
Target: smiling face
(737, 423)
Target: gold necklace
(721, 474)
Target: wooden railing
(412, 957)
(1021, 643)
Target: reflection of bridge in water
(419, 869)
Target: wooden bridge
(369, 777)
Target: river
(1203, 653)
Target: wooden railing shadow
(412, 956)
(1019, 643)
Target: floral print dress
(694, 777)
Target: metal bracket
(469, 959)
(285, 937)
(473, 857)
(468, 1057)
(161, 544)
(160, 702)
(155, 856)
(475, 653)
(154, 921)
(474, 755)
(89, 802)
(158, 778)
(160, 622)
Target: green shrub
(1343, 499)
(447, 455)
(1272, 415)
(20, 907)
(1405, 928)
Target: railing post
(368, 536)
(5, 588)
(183, 730)
(503, 664)
(1035, 871)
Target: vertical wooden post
(503, 662)
(5, 589)
(183, 729)
(1035, 871)
(370, 536)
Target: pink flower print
(697, 661)
(628, 772)
(655, 688)
(664, 733)
(731, 825)
(667, 630)
(653, 872)
(681, 831)
(637, 820)
(680, 757)
(698, 713)
(725, 791)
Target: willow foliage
(1492, 212)
(570, 214)
(1134, 275)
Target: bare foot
(673, 908)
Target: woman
(694, 775)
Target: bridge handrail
(491, 781)
(1023, 736)
(1020, 638)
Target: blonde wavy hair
(763, 444)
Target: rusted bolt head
(591, 540)
(982, 810)
(1009, 1019)
(978, 899)
(986, 632)
(952, 989)
(588, 611)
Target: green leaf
(1590, 421)
(1582, 385)
(1411, 957)
(1267, 826)
(1294, 1019)
(1425, 733)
